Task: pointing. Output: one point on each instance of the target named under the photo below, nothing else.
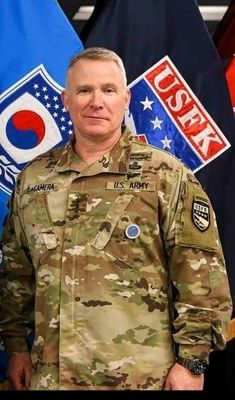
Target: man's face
(96, 98)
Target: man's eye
(109, 90)
(83, 90)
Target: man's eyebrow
(113, 84)
(82, 86)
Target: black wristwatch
(195, 365)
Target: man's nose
(97, 99)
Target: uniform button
(132, 231)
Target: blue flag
(180, 100)
(36, 45)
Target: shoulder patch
(201, 213)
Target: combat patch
(133, 185)
(201, 213)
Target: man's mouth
(97, 117)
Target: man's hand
(20, 371)
(180, 378)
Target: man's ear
(64, 98)
(127, 99)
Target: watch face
(197, 367)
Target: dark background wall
(71, 8)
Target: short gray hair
(100, 53)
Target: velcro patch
(201, 213)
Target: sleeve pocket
(39, 227)
(195, 219)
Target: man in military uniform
(112, 251)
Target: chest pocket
(127, 230)
(38, 225)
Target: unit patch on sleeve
(201, 213)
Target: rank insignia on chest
(201, 213)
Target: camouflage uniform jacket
(99, 249)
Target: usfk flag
(164, 107)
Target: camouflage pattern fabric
(92, 254)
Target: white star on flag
(157, 123)
(147, 104)
(166, 142)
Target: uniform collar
(116, 161)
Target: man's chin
(96, 132)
